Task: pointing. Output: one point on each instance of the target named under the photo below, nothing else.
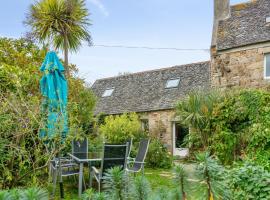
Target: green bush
(90, 194)
(158, 155)
(212, 178)
(241, 125)
(224, 146)
(120, 128)
(260, 157)
(24, 194)
(233, 125)
(250, 182)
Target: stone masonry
(243, 68)
(160, 126)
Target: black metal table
(81, 159)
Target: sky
(181, 24)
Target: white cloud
(100, 6)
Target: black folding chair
(137, 164)
(65, 166)
(113, 155)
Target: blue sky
(154, 23)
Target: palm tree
(196, 111)
(192, 112)
(62, 22)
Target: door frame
(182, 152)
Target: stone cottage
(153, 95)
(240, 50)
(240, 57)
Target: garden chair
(137, 164)
(113, 155)
(65, 167)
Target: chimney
(221, 11)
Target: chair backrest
(141, 155)
(129, 146)
(80, 148)
(114, 155)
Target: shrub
(212, 178)
(120, 128)
(22, 152)
(250, 182)
(116, 183)
(224, 146)
(259, 157)
(119, 185)
(241, 125)
(90, 194)
(158, 155)
(233, 126)
(141, 188)
(25, 194)
(181, 183)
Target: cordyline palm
(64, 22)
(196, 111)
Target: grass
(158, 178)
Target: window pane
(107, 92)
(267, 65)
(172, 83)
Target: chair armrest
(95, 170)
(130, 160)
(139, 162)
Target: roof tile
(145, 91)
(246, 25)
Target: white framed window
(108, 92)
(172, 83)
(267, 66)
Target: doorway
(180, 132)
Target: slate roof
(246, 25)
(145, 91)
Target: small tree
(118, 129)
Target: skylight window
(172, 83)
(108, 92)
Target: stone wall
(243, 68)
(160, 126)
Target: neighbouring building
(240, 57)
(153, 95)
(240, 50)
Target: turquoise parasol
(54, 89)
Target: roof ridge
(152, 70)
